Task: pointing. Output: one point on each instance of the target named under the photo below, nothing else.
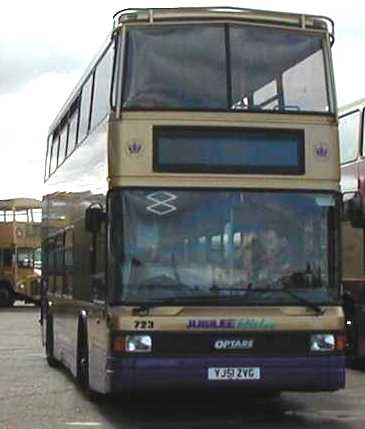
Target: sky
(45, 46)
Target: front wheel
(7, 297)
(353, 334)
(50, 342)
(83, 364)
(82, 356)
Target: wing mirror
(94, 218)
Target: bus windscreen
(210, 244)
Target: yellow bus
(191, 213)
(353, 224)
(20, 250)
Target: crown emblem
(134, 148)
(322, 151)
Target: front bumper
(290, 373)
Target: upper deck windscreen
(225, 67)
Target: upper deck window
(84, 121)
(176, 67)
(277, 70)
(225, 67)
(103, 76)
(349, 130)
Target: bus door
(97, 250)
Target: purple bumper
(310, 373)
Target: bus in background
(20, 250)
(191, 217)
(353, 239)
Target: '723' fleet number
(143, 324)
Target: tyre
(354, 362)
(82, 356)
(52, 362)
(7, 296)
(353, 359)
(83, 363)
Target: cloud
(45, 46)
(22, 63)
(26, 115)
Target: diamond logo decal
(161, 203)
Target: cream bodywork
(276, 318)
(105, 155)
(137, 169)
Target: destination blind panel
(222, 150)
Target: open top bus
(20, 250)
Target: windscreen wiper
(143, 308)
(299, 298)
(320, 311)
(242, 289)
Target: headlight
(138, 343)
(322, 343)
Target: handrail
(152, 15)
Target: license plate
(234, 374)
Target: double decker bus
(192, 207)
(20, 250)
(353, 224)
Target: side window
(349, 136)
(63, 143)
(363, 137)
(72, 129)
(102, 86)
(9, 216)
(59, 262)
(86, 96)
(118, 44)
(48, 156)
(38, 258)
(44, 259)
(7, 257)
(21, 216)
(50, 267)
(69, 262)
(54, 152)
(98, 271)
(25, 257)
(267, 96)
(37, 215)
